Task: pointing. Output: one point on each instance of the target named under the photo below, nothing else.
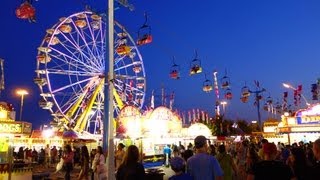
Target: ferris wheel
(71, 71)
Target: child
(178, 165)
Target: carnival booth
(151, 131)
(194, 130)
(155, 129)
(270, 128)
(304, 125)
(12, 134)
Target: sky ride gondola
(70, 71)
(26, 11)
(195, 65)
(225, 82)
(144, 33)
(175, 70)
(207, 85)
(266, 106)
(228, 94)
(269, 100)
(245, 92)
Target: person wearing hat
(269, 168)
(178, 165)
(203, 166)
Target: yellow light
(224, 103)
(22, 92)
(286, 85)
(286, 114)
(3, 114)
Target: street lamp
(224, 103)
(286, 85)
(21, 93)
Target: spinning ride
(71, 71)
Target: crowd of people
(198, 161)
(234, 161)
(246, 160)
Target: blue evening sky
(272, 41)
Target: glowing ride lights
(21, 93)
(47, 133)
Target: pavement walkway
(52, 175)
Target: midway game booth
(12, 133)
(303, 125)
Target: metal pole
(108, 136)
(258, 108)
(21, 106)
(257, 93)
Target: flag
(152, 99)
(198, 114)
(202, 115)
(285, 101)
(171, 100)
(207, 118)
(314, 91)
(189, 116)
(194, 114)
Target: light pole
(286, 85)
(258, 95)
(224, 103)
(21, 93)
(108, 137)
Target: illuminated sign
(10, 128)
(308, 120)
(313, 111)
(309, 116)
(284, 129)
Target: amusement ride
(70, 71)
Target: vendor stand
(12, 134)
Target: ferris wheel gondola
(71, 71)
